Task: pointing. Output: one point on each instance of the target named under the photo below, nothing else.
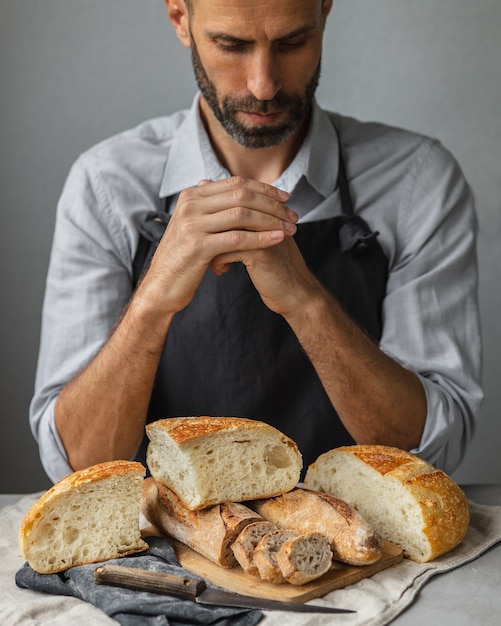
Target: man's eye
(231, 46)
(293, 44)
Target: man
(316, 272)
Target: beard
(296, 106)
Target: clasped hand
(233, 220)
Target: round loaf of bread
(408, 501)
(210, 460)
(91, 515)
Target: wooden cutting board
(235, 579)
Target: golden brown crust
(442, 502)
(68, 490)
(210, 532)
(352, 539)
(75, 480)
(186, 429)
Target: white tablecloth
(377, 600)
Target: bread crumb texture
(209, 460)
(407, 500)
(91, 515)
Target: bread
(210, 532)
(352, 539)
(209, 460)
(91, 515)
(304, 558)
(287, 556)
(245, 544)
(265, 555)
(408, 501)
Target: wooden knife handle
(146, 580)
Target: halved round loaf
(407, 500)
(91, 515)
(210, 460)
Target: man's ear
(326, 7)
(178, 15)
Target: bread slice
(407, 500)
(245, 544)
(304, 558)
(352, 539)
(209, 460)
(265, 555)
(210, 532)
(91, 515)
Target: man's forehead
(252, 15)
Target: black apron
(227, 354)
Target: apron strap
(150, 233)
(354, 233)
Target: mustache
(250, 104)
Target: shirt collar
(185, 164)
(191, 157)
(317, 159)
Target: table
(470, 594)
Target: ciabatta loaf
(352, 539)
(210, 532)
(91, 515)
(408, 501)
(209, 460)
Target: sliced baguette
(91, 515)
(210, 532)
(265, 555)
(408, 501)
(245, 544)
(304, 558)
(352, 539)
(210, 460)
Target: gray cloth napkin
(136, 608)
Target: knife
(195, 589)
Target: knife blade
(195, 589)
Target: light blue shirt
(406, 186)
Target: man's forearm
(377, 399)
(101, 414)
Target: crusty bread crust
(352, 538)
(210, 532)
(52, 520)
(406, 499)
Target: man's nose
(263, 76)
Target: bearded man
(258, 256)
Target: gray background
(73, 73)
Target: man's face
(258, 65)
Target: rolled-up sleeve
(431, 317)
(88, 285)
